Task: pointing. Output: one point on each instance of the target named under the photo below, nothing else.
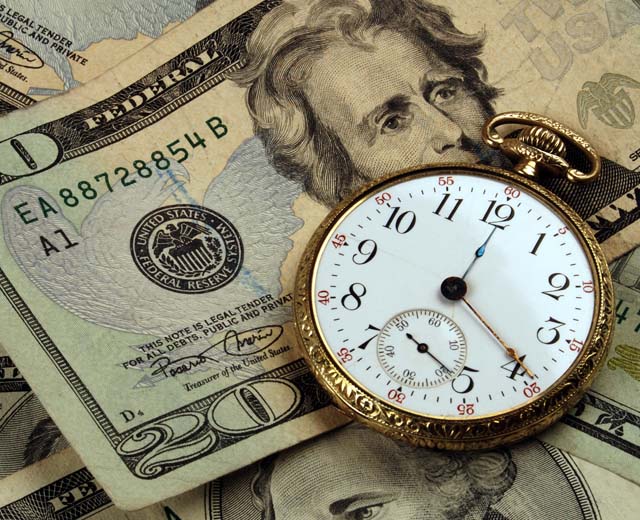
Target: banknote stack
(162, 166)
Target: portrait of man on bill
(344, 91)
(354, 473)
(399, 481)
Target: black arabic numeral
(409, 374)
(366, 342)
(402, 324)
(514, 368)
(559, 282)
(534, 251)
(368, 249)
(404, 223)
(500, 213)
(352, 300)
(554, 330)
(444, 202)
(462, 380)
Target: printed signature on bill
(16, 53)
(234, 343)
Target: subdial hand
(479, 252)
(514, 355)
(423, 348)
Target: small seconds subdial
(421, 348)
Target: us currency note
(605, 426)
(152, 220)
(46, 49)
(529, 481)
(27, 433)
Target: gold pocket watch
(459, 306)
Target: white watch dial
(502, 272)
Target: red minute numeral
(576, 345)
(466, 409)
(563, 230)
(338, 241)
(587, 286)
(531, 389)
(510, 191)
(383, 197)
(344, 355)
(396, 396)
(445, 181)
(323, 297)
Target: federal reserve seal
(187, 249)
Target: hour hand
(479, 252)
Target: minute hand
(509, 349)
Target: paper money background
(572, 61)
(27, 433)
(565, 486)
(46, 49)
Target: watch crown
(544, 140)
(541, 145)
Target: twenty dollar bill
(605, 426)
(46, 49)
(402, 483)
(152, 220)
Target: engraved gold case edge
(451, 433)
